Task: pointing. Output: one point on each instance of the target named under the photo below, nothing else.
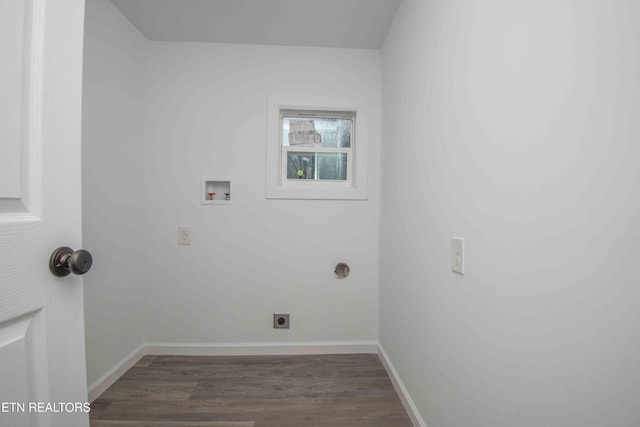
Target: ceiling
(324, 23)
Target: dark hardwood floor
(346, 390)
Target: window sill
(319, 191)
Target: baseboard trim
(111, 376)
(261, 349)
(405, 398)
(225, 349)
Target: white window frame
(279, 187)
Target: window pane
(317, 166)
(301, 165)
(310, 131)
(334, 132)
(332, 166)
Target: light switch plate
(184, 235)
(457, 255)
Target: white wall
(205, 108)
(513, 125)
(113, 217)
(157, 117)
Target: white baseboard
(261, 349)
(405, 398)
(111, 376)
(225, 349)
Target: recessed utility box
(280, 320)
(215, 191)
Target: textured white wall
(206, 115)
(514, 125)
(112, 187)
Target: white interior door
(42, 365)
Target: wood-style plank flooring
(346, 390)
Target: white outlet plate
(457, 255)
(184, 235)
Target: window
(316, 145)
(316, 150)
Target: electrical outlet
(280, 321)
(184, 235)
